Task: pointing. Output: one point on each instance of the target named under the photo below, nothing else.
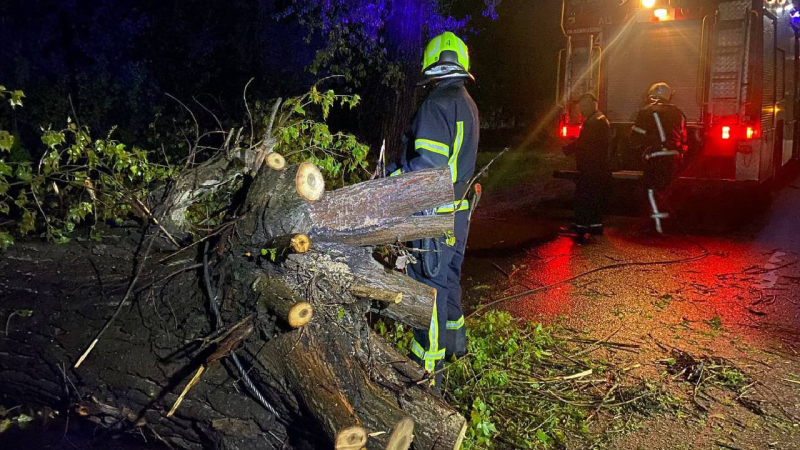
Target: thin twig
(121, 303)
(703, 255)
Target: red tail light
(738, 132)
(570, 131)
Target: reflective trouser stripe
(657, 216)
(396, 173)
(458, 205)
(455, 324)
(428, 358)
(640, 130)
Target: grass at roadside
(519, 166)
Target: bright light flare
(726, 132)
(661, 13)
(750, 133)
(648, 3)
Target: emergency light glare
(750, 133)
(661, 13)
(648, 3)
(564, 132)
(726, 132)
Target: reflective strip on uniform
(432, 146)
(662, 153)
(456, 149)
(640, 130)
(433, 340)
(660, 127)
(458, 205)
(396, 173)
(455, 324)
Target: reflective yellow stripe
(455, 324)
(433, 332)
(419, 352)
(432, 146)
(458, 205)
(396, 173)
(456, 149)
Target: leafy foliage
(78, 177)
(83, 179)
(304, 135)
(519, 387)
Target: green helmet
(446, 56)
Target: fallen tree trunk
(311, 356)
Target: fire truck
(733, 66)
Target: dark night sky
(118, 57)
(515, 58)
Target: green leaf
(6, 240)
(16, 98)
(6, 140)
(543, 437)
(5, 169)
(24, 312)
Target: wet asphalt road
(729, 287)
(747, 276)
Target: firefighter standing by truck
(591, 151)
(444, 132)
(660, 134)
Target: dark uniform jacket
(591, 149)
(659, 127)
(444, 132)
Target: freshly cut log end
(353, 438)
(309, 182)
(381, 295)
(300, 314)
(290, 243)
(402, 435)
(276, 161)
(300, 243)
(461, 435)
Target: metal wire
(212, 298)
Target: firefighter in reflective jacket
(591, 151)
(660, 134)
(444, 132)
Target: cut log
(381, 211)
(275, 295)
(369, 213)
(353, 438)
(402, 435)
(290, 243)
(275, 161)
(354, 266)
(437, 424)
(381, 295)
(309, 182)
